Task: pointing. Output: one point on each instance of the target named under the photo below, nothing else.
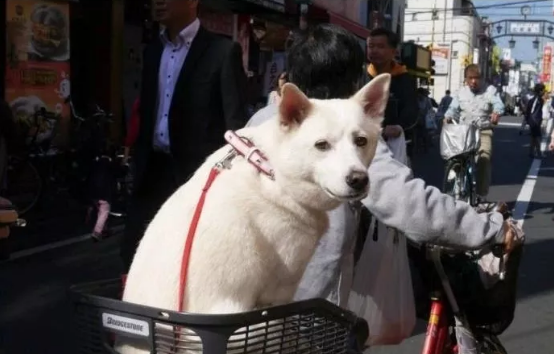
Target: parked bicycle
(25, 182)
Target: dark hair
(448, 92)
(326, 62)
(285, 76)
(471, 68)
(392, 38)
(539, 88)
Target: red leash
(190, 236)
(240, 146)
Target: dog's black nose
(357, 180)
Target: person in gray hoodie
(327, 63)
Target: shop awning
(349, 25)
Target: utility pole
(444, 21)
(434, 17)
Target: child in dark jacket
(102, 185)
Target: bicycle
(25, 184)
(464, 315)
(459, 145)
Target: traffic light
(432, 71)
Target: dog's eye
(360, 141)
(322, 145)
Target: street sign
(547, 63)
(440, 54)
(506, 54)
(529, 27)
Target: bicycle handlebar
(99, 112)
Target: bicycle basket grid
(312, 326)
(458, 139)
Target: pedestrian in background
(533, 118)
(275, 95)
(401, 113)
(193, 90)
(443, 105)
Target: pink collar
(244, 147)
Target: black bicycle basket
(311, 326)
(491, 310)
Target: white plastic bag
(382, 290)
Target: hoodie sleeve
(422, 212)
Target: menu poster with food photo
(37, 63)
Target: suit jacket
(209, 98)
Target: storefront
(346, 14)
(37, 59)
(262, 29)
(53, 48)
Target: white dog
(256, 235)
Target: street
(34, 317)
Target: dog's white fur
(256, 235)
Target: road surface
(34, 311)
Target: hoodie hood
(395, 70)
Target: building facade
(456, 34)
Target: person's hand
(495, 117)
(551, 146)
(447, 120)
(4, 229)
(392, 131)
(509, 237)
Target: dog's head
(327, 145)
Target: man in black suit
(193, 90)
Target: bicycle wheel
(24, 185)
(456, 181)
(490, 344)
(470, 184)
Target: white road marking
(55, 245)
(526, 192)
(509, 124)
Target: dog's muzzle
(358, 180)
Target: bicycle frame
(437, 339)
(437, 328)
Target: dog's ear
(295, 105)
(374, 96)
